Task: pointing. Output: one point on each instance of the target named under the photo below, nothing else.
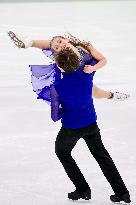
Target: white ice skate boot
(20, 42)
(119, 96)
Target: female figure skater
(45, 75)
(78, 118)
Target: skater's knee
(62, 153)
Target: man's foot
(76, 195)
(119, 96)
(19, 41)
(124, 198)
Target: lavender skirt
(43, 77)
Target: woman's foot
(119, 96)
(19, 41)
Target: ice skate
(124, 199)
(76, 195)
(117, 96)
(19, 41)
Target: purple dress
(43, 77)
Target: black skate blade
(121, 203)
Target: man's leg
(106, 163)
(65, 142)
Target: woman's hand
(88, 69)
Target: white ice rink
(30, 172)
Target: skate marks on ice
(96, 202)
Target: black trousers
(65, 142)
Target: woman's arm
(98, 56)
(43, 44)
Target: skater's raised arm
(98, 56)
(43, 44)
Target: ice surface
(30, 173)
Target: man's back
(75, 95)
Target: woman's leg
(25, 42)
(100, 93)
(65, 142)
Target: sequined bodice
(86, 58)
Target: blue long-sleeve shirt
(74, 93)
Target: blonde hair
(77, 42)
(74, 41)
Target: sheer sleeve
(55, 105)
(48, 52)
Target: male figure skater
(78, 117)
